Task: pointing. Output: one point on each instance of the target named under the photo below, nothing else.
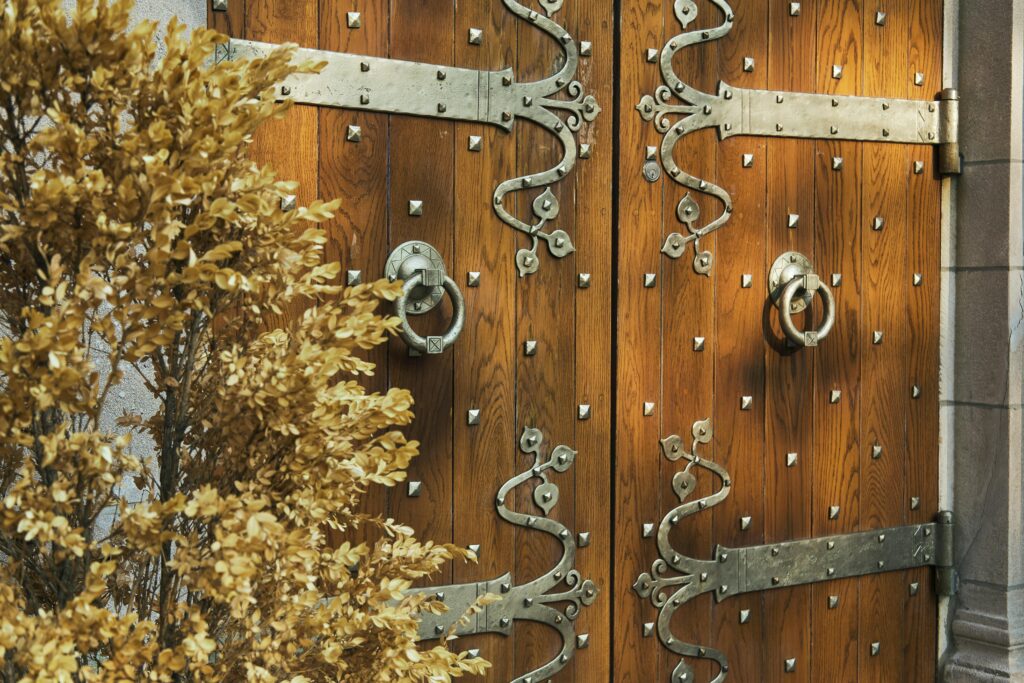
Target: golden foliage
(137, 237)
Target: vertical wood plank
(789, 409)
(593, 239)
(546, 390)
(637, 485)
(884, 396)
(739, 343)
(924, 257)
(837, 443)
(422, 168)
(485, 455)
(230, 23)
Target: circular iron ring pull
(432, 344)
(809, 283)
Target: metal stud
(584, 151)
(792, 220)
(878, 224)
(353, 20)
(834, 396)
(744, 616)
(648, 529)
(648, 409)
(473, 416)
(583, 280)
(833, 512)
(415, 207)
(876, 337)
(915, 503)
(582, 641)
(837, 163)
(748, 64)
(744, 523)
(698, 343)
(473, 279)
(746, 280)
(794, 9)
(652, 55)
(364, 66)
(648, 629)
(285, 91)
(748, 160)
(837, 71)
(880, 18)
(530, 347)
(876, 647)
(649, 279)
(583, 411)
(918, 279)
(918, 167)
(837, 279)
(876, 451)
(791, 459)
(651, 153)
(833, 601)
(586, 48)
(354, 134)
(364, 99)
(831, 545)
(583, 539)
(475, 143)
(476, 36)
(414, 489)
(288, 202)
(914, 588)
(220, 5)
(353, 277)
(746, 402)
(915, 391)
(918, 78)
(474, 548)
(790, 665)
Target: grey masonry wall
(988, 617)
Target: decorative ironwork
(439, 91)
(675, 579)
(539, 600)
(740, 111)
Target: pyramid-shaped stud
(792, 220)
(744, 616)
(833, 601)
(364, 66)
(698, 343)
(918, 78)
(474, 548)
(746, 402)
(583, 280)
(837, 279)
(876, 337)
(415, 207)
(915, 391)
(288, 202)
(918, 167)
(918, 279)
(354, 134)
(914, 588)
(746, 280)
(475, 143)
(915, 503)
(586, 48)
(583, 411)
(837, 71)
(530, 347)
(220, 5)
(648, 629)
(353, 19)
(648, 529)
(414, 489)
(790, 665)
(745, 523)
(584, 151)
(876, 451)
(794, 9)
(473, 416)
(476, 36)
(876, 647)
(353, 277)
(833, 512)
(651, 153)
(473, 278)
(880, 18)
(582, 641)
(583, 539)
(834, 396)
(831, 545)
(648, 409)
(748, 64)
(791, 459)
(837, 163)
(878, 223)
(652, 55)
(649, 279)
(748, 160)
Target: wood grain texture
(230, 23)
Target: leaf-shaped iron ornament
(554, 599)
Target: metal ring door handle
(808, 283)
(431, 344)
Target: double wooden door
(579, 360)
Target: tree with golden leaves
(138, 241)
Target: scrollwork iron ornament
(540, 600)
(440, 91)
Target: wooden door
(640, 333)
(535, 351)
(805, 442)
